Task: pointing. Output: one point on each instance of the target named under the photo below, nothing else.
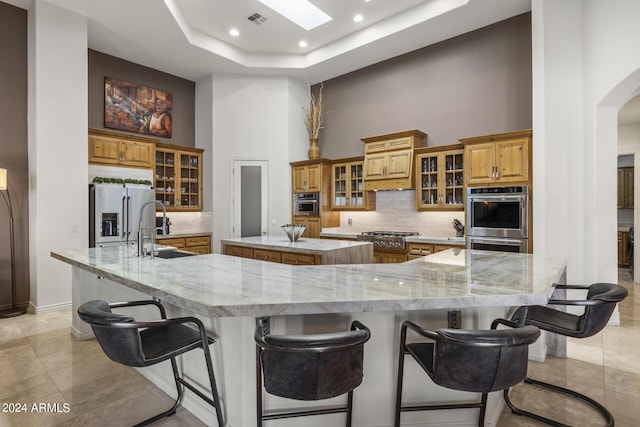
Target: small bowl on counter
(293, 231)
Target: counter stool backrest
(120, 342)
(312, 367)
(596, 316)
(481, 361)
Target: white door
(249, 216)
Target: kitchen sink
(173, 254)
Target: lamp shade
(3, 179)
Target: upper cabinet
(116, 149)
(306, 178)
(498, 159)
(347, 191)
(178, 177)
(440, 178)
(625, 188)
(314, 176)
(388, 160)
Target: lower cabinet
(267, 255)
(382, 257)
(239, 251)
(623, 253)
(312, 224)
(196, 244)
(417, 250)
(299, 259)
(283, 257)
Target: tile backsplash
(396, 211)
(189, 222)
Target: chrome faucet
(153, 234)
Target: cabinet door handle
(497, 173)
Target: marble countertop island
(224, 286)
(228, 292)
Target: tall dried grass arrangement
(313, 114)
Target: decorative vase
(314, 150)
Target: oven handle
(511, 242)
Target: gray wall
(13, 150)
(474, 84)
(183, 91)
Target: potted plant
(313, 120)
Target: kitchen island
(228, 293)
(305, 251)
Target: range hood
(388, 160)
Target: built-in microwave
(501, 212)
(307, 204)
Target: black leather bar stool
(309, 367)
(142, 344)
(468, 360)
(601, 299)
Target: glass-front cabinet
(440, 178)
(347, 192)
(178, 178)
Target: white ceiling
(189, 38)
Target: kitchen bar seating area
(324, 298)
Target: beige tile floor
(41, 363)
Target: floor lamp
(4, 190)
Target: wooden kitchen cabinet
(417, 250)
(623, 253)
(114, 149)
(382, 257)
(440, 178)
(388, 160)
(292, 258)
(314, 176)
(178, 178)
(625, 188)
(313, 226)
(239, 251)
(267, 255)
(200, 244)
(498, 159)
(347, 191)
(307, 178)
(299, 259)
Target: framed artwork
(134, 108)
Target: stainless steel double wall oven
(498, 218)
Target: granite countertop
(342, 234)
(303, 245)
(453, 241)
(222, 286)
(180, 235)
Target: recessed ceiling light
(234, 32)
(303, 43)
(358, 18)
(300, 12)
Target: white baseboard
(48, 308)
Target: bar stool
(600, 302)
(140, 344)
(467, 360)
(308, 367)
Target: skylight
(300, 12)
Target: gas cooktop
(388, 240)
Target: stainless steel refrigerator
(114, 214)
